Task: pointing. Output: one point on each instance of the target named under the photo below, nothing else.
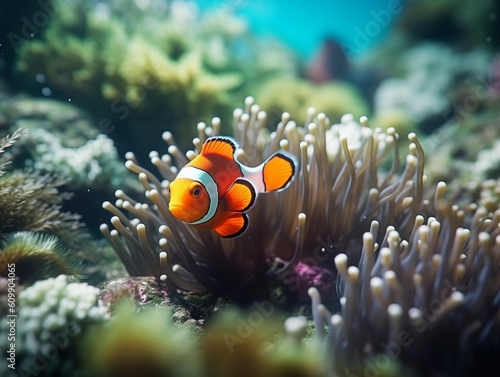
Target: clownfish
(214, 190)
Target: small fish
(214, 190)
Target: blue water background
(304, 25)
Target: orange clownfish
(214, 190)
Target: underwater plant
(36, 257)
(429, 301)
(339, 187)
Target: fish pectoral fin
(278, 171)
(233, 226)
(240, 196)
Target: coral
(437, 288)
(133, 344)
(470, 25)
(332, 99)
(94, 164)
(155, 65)
(36, 257)
(338, 188)
(250, 343)
(425, 76)
(30, 201)
(63, 140)
(305, 276)
(461, 153)
(487, 164)
(5, 143)
(64, 120)
(51, 314)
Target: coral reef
(51, 315)
(63, 140)
(94, 164)
(338, 185)
(31, 206)
(333, 99)
(170, 65)
(132, 344)
(146, 342)
(462, 153)
(470, 25)
(251, 343)
(32, 202)
(425, 78)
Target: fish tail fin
(278, 171)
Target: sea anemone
(429, 300)
(340, 186)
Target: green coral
(138, 344)
(334, 99)
(36, 257)
(168, 66)
(235, 343)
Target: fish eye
(196, 191)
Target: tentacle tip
(249, 100)
(412, 136)
(347, 118)
(313, 292)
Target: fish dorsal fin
(232, 226)
(240, 196)
(278, 171)
(221, 146)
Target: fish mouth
(180, 211)
(176, 209)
